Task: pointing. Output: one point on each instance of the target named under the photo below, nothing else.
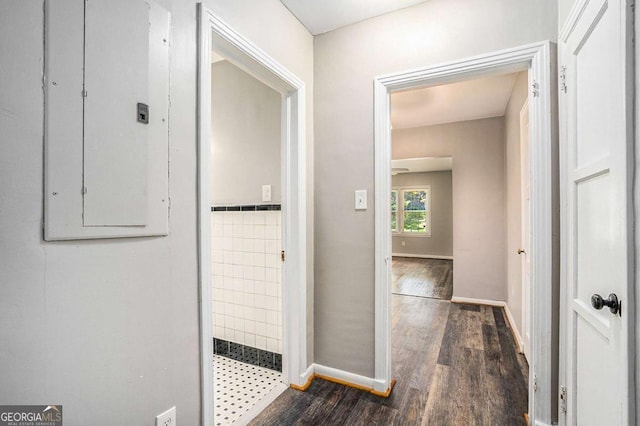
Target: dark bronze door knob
(612, 302)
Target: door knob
(612, 302)
(520, 251)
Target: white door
(525, 185)
(595, 186)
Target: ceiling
(425, 164)
(321, 16)
(466, 100)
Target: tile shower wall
(247, 285)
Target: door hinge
(563, 399)
(535, 383)
(563, 79)
(84, 93)
(84, 190)
(282, 256)
(535, 89)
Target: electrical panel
(106, 119)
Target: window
(394, 210)
(414, 215)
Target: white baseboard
(499, 303)
(304, 377)
(422, 256)
(514, 329)
(345, 376)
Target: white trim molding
(537, 59)
(473, 301)
(514, 330)
(215, 34)
(422, 256)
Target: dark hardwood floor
(422, 277)
(454, 364)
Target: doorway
(536, 59)
(422, 227)
(216, 35)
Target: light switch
(361, 199)
(266, 192)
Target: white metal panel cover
(127, 187)
(116, 63)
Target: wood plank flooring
(454, 364)
(422, 277)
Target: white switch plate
(168, 418)
(266, 192)
(361, 199)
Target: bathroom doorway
(280, 227)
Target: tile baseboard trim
(247, 354)
(247, 208)
(422, 256)
(344, 378)
(472, 301)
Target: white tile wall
(247, 284)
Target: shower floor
(239, 390)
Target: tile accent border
(247, 354)
(247, 208)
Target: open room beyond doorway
(469, 214)
(536, 59)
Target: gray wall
(109, 328)
(440, 243)
(346, 62)
(477, 148)
(514, 197)
(245, 137)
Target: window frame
(400, 212)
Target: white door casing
(536, 58)
(596, 173)
(216, 34)
(525, 195)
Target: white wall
(440, 242)
(514, 198)
(109, 328)
(346, 62)
(245, 137)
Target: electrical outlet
(168, 418)
(403, 244)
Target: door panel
(595, 201)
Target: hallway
(454, 364)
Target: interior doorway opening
(216, 36)
(457, 195)
(536, 60)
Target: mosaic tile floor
(237, 387)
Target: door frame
(537, 59)
(214, 33)
(525, 339)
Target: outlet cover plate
(168, 418)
